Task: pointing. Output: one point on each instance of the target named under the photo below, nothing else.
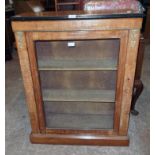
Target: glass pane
(78, 82)
(78, 55)
(79, 115)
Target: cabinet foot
(138, 88)
(134, 112)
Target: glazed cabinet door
(78, 80)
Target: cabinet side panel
(27, 78)
(130, 66)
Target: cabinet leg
(138, 88)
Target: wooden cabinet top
(77, 15)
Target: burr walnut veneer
(78, 71)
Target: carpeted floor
(18, 127)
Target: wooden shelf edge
(75, 69)
(79, 95)
(37, 138)
(60, 64)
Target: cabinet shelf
(80, 108)
(78, 121)
(82, 64)
(79, 95)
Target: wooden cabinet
(78, 73)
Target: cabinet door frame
(31, 37)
